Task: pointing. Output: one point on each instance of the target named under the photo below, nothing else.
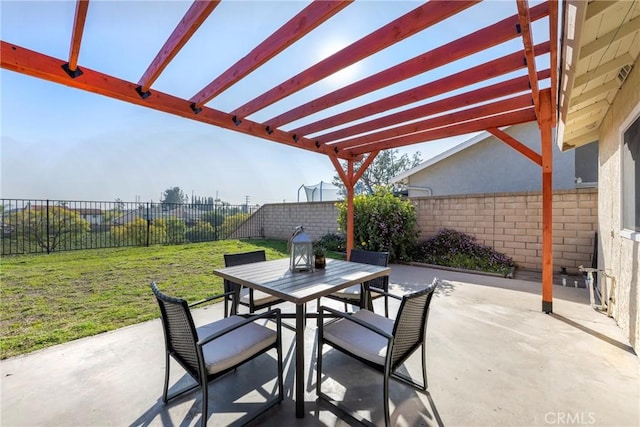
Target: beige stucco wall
(620, 255)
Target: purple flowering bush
(382, 222)
(453, 248)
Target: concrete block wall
(511, 223)
(279, 220)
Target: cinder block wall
(280, 220)
(509, 222)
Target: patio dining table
(275, 278)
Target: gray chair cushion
(235, 346)
(259, 297)
(358, 340)
(352, 292)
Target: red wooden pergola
(356, 135)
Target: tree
(174, 195)
(50, 228)
(386, 165)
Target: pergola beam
(188, 25)
(473, 75)
(25, 61)
(508, 119)
(553, 54)
(472, 43)
(418, 19)
(297, 27)
(527, 40)
(76, 37)
(511, 104)
(485, 94)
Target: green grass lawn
(51, 299)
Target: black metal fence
(32, 226)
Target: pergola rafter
(501, 120)
(479, 73)
(361, 130)
(515, 103)
(465, 46)
(195, 16)
(304, 22)
(407, 25)
(76, 38)
(485, 94)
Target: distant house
(484, 164)
(92, 216)
(188, 214)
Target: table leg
(300, 323)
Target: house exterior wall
(619, 255)
(509, 222)
(491, 166)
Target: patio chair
(254, 300)
(214, 349)
(353, 295)
(379, 342)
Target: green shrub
(382, 222)
(453, 248)
(333, 242)
(200, 232)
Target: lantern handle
(299, 229)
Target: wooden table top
(275, 278)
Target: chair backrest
(410, 326)
(179, 331)
(373, 258)
(369, 257)
(231, 260)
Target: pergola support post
(350, 178)
(546, 122)
(350, 193)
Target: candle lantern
(300, 251)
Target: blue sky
(63, 143)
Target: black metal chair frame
(178, 326)
(409, 334)
(234, 289)
(375, 288)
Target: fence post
(148, 223)
(48, 243)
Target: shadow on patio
(493, 359)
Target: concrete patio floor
(494, 359)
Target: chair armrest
(212, 297)
(350, 318)
(381, 291)
(246, 321)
